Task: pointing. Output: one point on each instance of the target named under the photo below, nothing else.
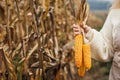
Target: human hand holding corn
(82, 50)
(79, 29)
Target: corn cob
(87, 56)
(78, 50)
(81, 70)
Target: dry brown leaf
(9, 66)
(2, 34)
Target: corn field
(35, 40)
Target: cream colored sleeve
(101, 42)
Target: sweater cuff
(89, 35)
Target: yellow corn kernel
(78, 50)
(81, 70)
(87, 56)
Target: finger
(81, 25)
(76, 29)
(80, 29)
(76, 33)
(74, 25)
(84, 27)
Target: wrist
(89, 34)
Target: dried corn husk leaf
(46, 5)
(2, 34)
(86, 12)
(2, 13)
(83, 11)
(21, 61)
(31, 51)
(38, 75)
(36, 64)
(9, 66)
(2, 66)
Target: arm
(101, 42)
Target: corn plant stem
(72, 6)
(5, 61)
(25, 21)
(66, 25)
(65, 15)
(53, 30)
(55, 41)
(52, 58)
(7, 67)
(21, 37)
(73, 10)
(9, 35)
(8, 30)
(18, 15)
(2, 74)
(22, 41)
(38, 39)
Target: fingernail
(73, 24)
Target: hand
(85, 27)
(76, 29)
(80, 29)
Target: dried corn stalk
(9, 66)
(30, 40)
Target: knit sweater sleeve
(101, 42)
